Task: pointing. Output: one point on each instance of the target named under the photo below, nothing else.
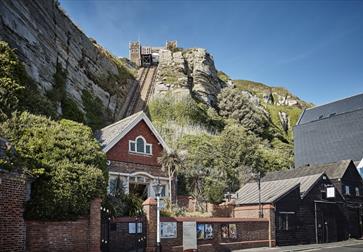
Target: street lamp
(157, 189)
(257, 177)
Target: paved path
(351, 245)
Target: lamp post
(157, 189)
(257, 177)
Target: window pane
(140, 145)
(132, 146)
(148, 151)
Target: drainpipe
(316, 223)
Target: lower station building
(132, 147)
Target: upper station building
(147, 55)
(330, 133)
(132, 147)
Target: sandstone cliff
(188, 72)
(44, 36)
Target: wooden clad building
(313, 204)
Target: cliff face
(43, 35)
(188, 72)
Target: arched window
(140, 146)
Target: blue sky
(313, 48)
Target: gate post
(149, 207)
(95, 226)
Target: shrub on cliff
(233, 104)
(65, 160)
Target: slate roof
(329, 140)
(111, 134)
(334, 108)
(108, 133)
(272, 191)
(334, 170)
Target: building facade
(329, 133)
(312, 204)
(148, 55)
(132, 147)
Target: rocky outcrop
(188, 72)
(43, 35)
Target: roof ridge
(342, 99)
(123, 120)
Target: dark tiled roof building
(329, 133)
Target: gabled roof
(272, 191)
(331, 109)
(332, 170)
(112, 134)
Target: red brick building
(133, 146)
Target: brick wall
(80, 235)
(12, 225)
(120, 151)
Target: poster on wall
(168, 230)
(189, 235)
(224, 231)
(232, 231)
(200, 231)
(208, 231)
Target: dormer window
(140, 146)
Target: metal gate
(105, 229)
(122, 233)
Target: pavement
(351, 245)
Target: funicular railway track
(145, 89)
(136, 94)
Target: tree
(65, 160)
(170, 162)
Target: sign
(189, 235)
(168, 230)
(330, 192)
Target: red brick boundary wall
(76, 236)
(12, 225)
(251, 232)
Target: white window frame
(145, 144)
(357, 191)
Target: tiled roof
(334, 108)
(271, 191)
(332, 170)
(108, 133)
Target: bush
(235, 105)
(66, 161)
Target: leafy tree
(170, 162)
(66, 161)
(234, 104)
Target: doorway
(140, 190)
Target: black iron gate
(129, 229)
(105, 229)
